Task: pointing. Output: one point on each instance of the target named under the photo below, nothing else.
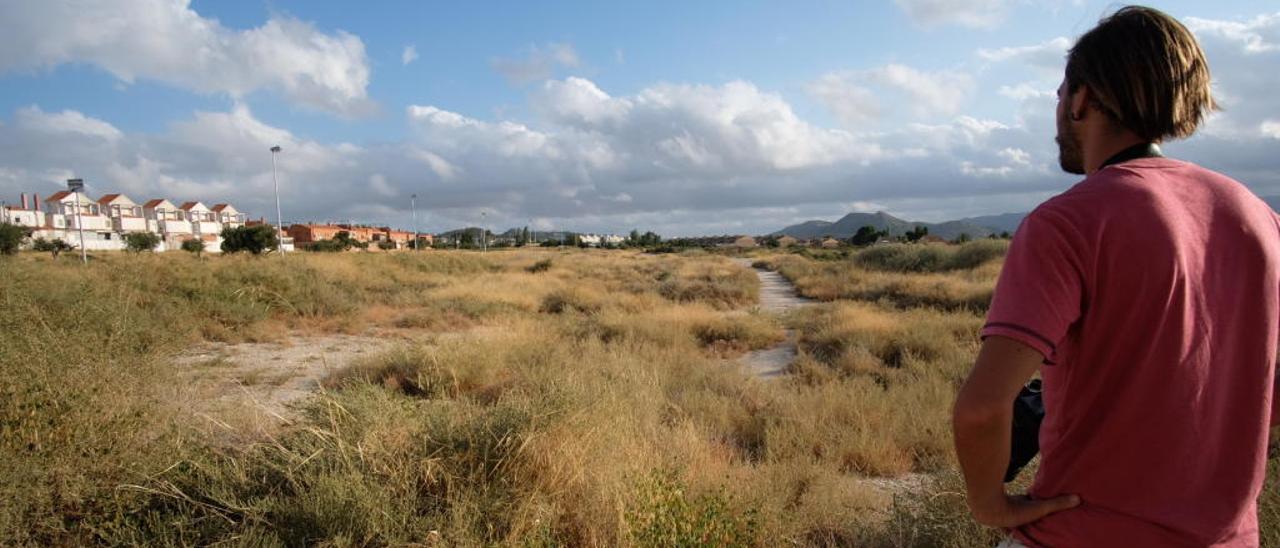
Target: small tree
(962, 238)
(386, 245)
(11, 237)
(194, 245)
(54, 247)
(138, 242)
(254, 239)
(916, 233)
(867, 235)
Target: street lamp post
(279, 218)
(75, 186)
(484, 233)
(412, 204)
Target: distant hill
(1005, 222)
(848, 225)
(976, 227)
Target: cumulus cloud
(409, 55)
(167, 41)
(1048, 56)
(660, 159)
(538, 64)
(675, 158)
(1255, 36)
(1024, 91)
(850, 97)
(980, 14)
(1242, 57)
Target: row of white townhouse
(597, 240)
(108, 218)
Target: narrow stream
(777, 296)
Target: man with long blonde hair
(1148, 298)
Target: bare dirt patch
(253, 384)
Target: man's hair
(1146, 72)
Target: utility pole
(279, 218)
(413, 203)
(484, 233)
(75, 186)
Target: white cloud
(980, 14)
(1271, 128)
(1048, 56)
(539, 64)
(1025, 91)
(409, 55)
(852, 104)
(675, 158)
(68, 121)
(166, 41)
(849, 96)
(1258, 35)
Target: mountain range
(847, 226)
(975, 227)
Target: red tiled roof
(107, 199)
(186, 206)
(57, 196)
(153, 203)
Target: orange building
(311, 233)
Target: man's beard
(1070, 157)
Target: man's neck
(1106, 146)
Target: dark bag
(1028, 413)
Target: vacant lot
(535, 397)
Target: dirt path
(777, 296)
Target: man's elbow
(972, 413)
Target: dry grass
(961, 289)
(597, 408)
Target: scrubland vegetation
(553, 398)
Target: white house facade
(106, 220)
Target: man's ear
(1079, 102)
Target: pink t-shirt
(1153, 290)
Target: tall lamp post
(75, 186)
(413, 204)
(279, 218)
(484, 233)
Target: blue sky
(686, 118)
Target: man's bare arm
(982, 422)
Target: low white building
(597, 240)
(126, 216)
(105, 221)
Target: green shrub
(328, 246)
(930, 258)
(193, 245)
(11, 237)
(667, 515)
(253, 239)
(138, 242)
(55, 246)
(540, 266)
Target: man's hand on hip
(1017, 510)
